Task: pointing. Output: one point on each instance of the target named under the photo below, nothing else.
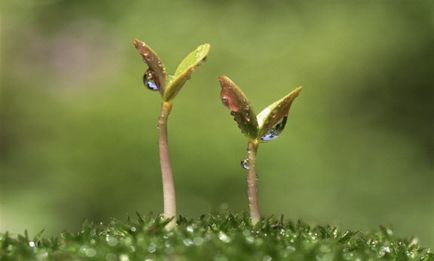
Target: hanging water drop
(270, 135)
(274, 132)
(151, 85)
(149, 82)
(245, 164)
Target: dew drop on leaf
(149, 82)
(151, 85)
(223, 237)
(274, 132)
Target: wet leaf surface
(271, 118)
(236, 101)
(155, 76)
(211, 237)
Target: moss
(212, 237)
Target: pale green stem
(252, 190)
(166, 168)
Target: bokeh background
(78, 129)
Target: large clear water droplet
(274, 132)
(149, 82)
(151, 85)
(245, 164)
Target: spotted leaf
(155, 77)
(233, 98)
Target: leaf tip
(205, 48)
(137, 43)
(224, 80)
(297, 90)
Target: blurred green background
(78, 129)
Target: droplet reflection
(274, 132)
(149, 82)
(245, 164)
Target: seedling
(265, 126)
(156, 79)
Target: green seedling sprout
(156, 79)
(265, 126)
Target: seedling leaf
(184, 70)
(273, 117)
(156, 70)
(233, 98)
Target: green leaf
(272, 119)
(156, 70)
(184, 70)
(233, 98)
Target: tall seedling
(157, 79)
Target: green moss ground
(212, 237)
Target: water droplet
(190, 229)
(414, 241)
(124, 257)
(152, 248)
(348, 255)
(149, 82)
(188, 242)
(411, 253)
(151, 85)
(133, 229)
(88, 251)
(223, 237)
(245, 164)
(198, 241)
(383, 251)
(111, 241)
(32, 244)
(267, 258)
(274, 132)
(290, 249)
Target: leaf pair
(265, 126)
(156, 78)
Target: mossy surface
(212, 237)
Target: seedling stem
(166, 168)
(252, 190)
